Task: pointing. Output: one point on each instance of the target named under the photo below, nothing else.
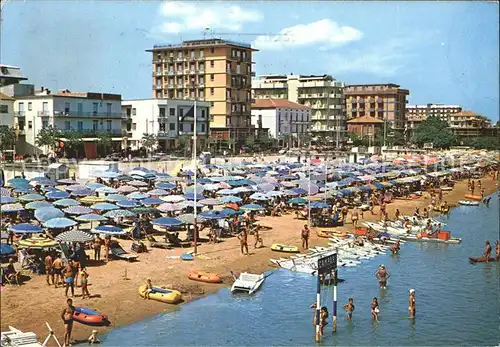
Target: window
(108, 125)
(67, 125)
(4, 109)
(202, 113)
(79, 125)
(212, 91)
(66, 107)
(79, 108)
(212, 50)
(162, 111)
(202, 127)
(45, 124)
(95, 125)
(191, 127)
(171, 126)
(134, 111)
(134, 126)
(212, 63)
(30, 124)
(108, 108)
(212, 104)
(21, 107)
(30, 106)
(172, 111)
(95, 107)
(181, 112)
(212, 77)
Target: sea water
(457, 303)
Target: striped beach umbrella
(67, 202)
(74, 236)
(78, 210)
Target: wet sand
(29, 306)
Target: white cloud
(191, 16)
(325, 32)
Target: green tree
(483, 142)
(74, 141)
(185, 144)
(7, 137)
(104, 141)
(47, 137)
(149, 141)
(250, 141)
(265, 141)
(434, 130)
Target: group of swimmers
(488, 249)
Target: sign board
(327, 264)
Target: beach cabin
(57, 171)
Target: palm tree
(149, 141)
(47, 137)
(104, 140)
(7, 137)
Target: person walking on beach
(382, 275)
(97, 248)
(84, 280)
(69, 278)
(487, 251)
(57, 266)
(258, 239)
(397, 214)
(472, 188)
(243, 237)
(107, 245)
(412, 308)
(305, 233)
(375, 309)
(49, 269)
(349, 308)
(67, 317)
(354, 217)
(382, 210)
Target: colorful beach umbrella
(137, 183)
(168, 207)
(165, 186)
(118, 213)
(74, 236)
(74, 187)
(94, 185)
(138, 195)
(91, 217)
(108, 230)
(32, 197)
(79, 210)
(252, 207)
(126, 189)
(82, 192)
(106, 190)
(67, 181)
(173, 198)
(92, 200)
(66, 202)
(116, 197)
(104, 206)
(9, 208)
(230, 198)
(166, 222)
(151, 201)
(128, 203)
(211, 202)
(7, 200)
(34, 205)
(57, 194)
(59, 223)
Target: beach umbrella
(4, 191)
(252, 207)
(7, 200)
(91, 217)
(151, 201)
(192, 189)
(211, 202)
(290, 193)
(138, 195)
(34, 205)
(108, 230)
(67, 181)
(158, 192)
(118, 213)
(274, 193)
(166, 186)
(173, 198)
(59, 223)
(230, 198)
(6, 249)
(23, 190)
(77, 210)
(74, 236)
(17, 181)
(188, 218)
(25, 228)
(74, 187)
(94, 185)
(83, 192)
(104, 206)
(116, 197)
(319, 204)
(166, 222)
(266, 187)
(190, 203)
(233, 206)
(143, 209)
(259, 197)
(42, 181)
(66, 202)
(57, 194)
(167, 207)
(92, 200)
(190, 196)
(126, 189)
(9, 208)
(242, 190)
(297, 201)
(213, 215)
(226, 192)
(32, 197)
(137, 183)
(128, 203)
(37, 243)
(106, 190)
(211, 187)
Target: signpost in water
(326, 265)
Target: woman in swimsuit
(67, 317)
(84, 279)
(411, 304)
(375, 309)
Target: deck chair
(118, 252)
(157, 244)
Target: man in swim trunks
(412, 308)
(487, 251)
(69, 278)
(354, 217)
(49, 270)
(382, 275)
(304, 235)
(67, 317)
(349, 308)
(57, 266)
(243, 237)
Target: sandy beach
(27, 307)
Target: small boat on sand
(248, 283)
(474, 260)
(285, 248)
(468, 203)
(162, 294)
(206, 277)
(87, 316)
(473, 197)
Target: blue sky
(443, 52)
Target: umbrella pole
(195, 236)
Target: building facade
(213, 70)
(6, 110)
(282, 117)
(469, 124)
(323, 94)
(168, 119)
(365, 127)
(86, 113)
(10, 75)
(381, 101)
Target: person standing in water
(497, 250)
(412, 308)
(349, 308)
(487, 251)
(382, 275)
(67, 317)
(375, 309)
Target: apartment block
(87, 113)
(322, 93)
(168, 119)
(6, 110)
(10, 75)
(415, 114)
(381, 101)
(469, 124)
(282, 118)
(213, 70)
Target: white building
(168, 119)
(281, 117)
(86, 113)
(6, 110)
(10, 75)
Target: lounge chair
(157, 244)
(118, 252)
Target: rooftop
(365, 120)
(6, 97)
(277, 103)
(466, 114)
(201, 43)
(47, 93)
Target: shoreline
(21, 308)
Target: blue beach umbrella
(77, 210)
(164, 185)
(9, 208)
(190, 196)
(25, 228)
(74, 187)
(106, 190)
(82, 192)
(59, 223)
(297, 201)
(299, 191)
(158, 192)
(151, 201)
(116, 197)
(226, 192)
(7, 200)
(17, 181)
(230, 198)
(138, 195)
(42, 181)
(32, 197)
(66, 202)
(94, 185)
(104, 206)
(91, 217)
(67, 181)
(213, 215)
(129, 203)
(37, 204)
(57, 194)
(24, 190)
(108, 230)
(252, 207)
(6, 249)
(118, 213)
(319, 204)
(166, 222)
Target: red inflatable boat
(89, 317)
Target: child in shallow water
(349, 308)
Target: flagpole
(195, 236)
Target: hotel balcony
(171, 73)
(179, 59)
(76, 114)
(91, 132)
(19, 114)
(201, 85)
(201, 71)
(179, 72)
(335, 107)
(170, 86)
(156, 86)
